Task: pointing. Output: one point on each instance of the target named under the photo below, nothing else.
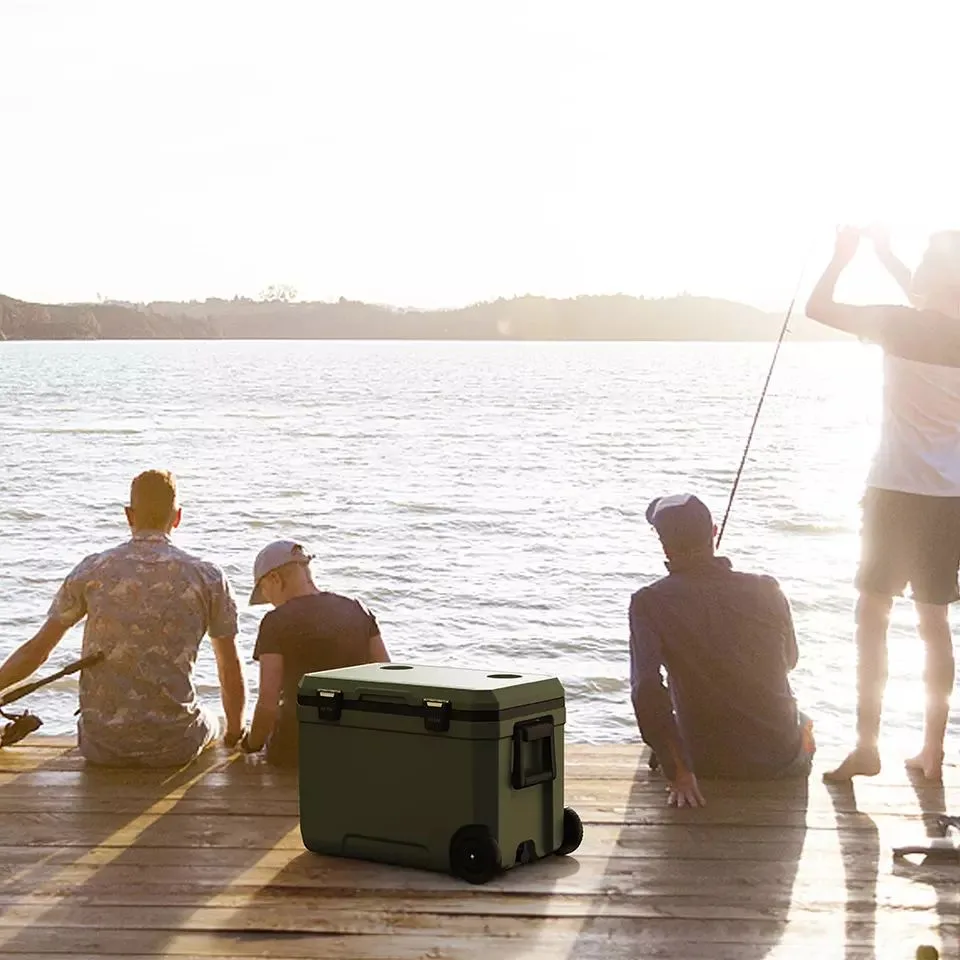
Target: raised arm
(864, 322)
(891, 262)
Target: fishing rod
(22, 724)
(763, 396)
(653, 761)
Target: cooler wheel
(474, 855)
(572, 832)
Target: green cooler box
(435, 767)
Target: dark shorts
(798, 768)
(907, 538)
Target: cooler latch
(436, 715)
(329, 704)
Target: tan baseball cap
(272, 556)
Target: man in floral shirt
(148, 605)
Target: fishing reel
(18, 726)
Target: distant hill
(616, 317)
(100, 321)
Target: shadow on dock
(208, 861)
(679, 880)
(118, 861)
(860, 855)
(941, 874)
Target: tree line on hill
(615, 317)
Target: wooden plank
(585, 946)
(216, 869)
(674, 850)
(644, 924)
(68, 828)
(247, 780)
(678, 849)
(611, 753)
(720, 813)
(570, 896)
(208, 870)
(43, 791)
(606, 762)
(773, 885)
(685, 840)
(220, 793)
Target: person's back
(308, 630)
(147, 605)
(727, 646)
(726, 642)
(321, 631)
(919, 449)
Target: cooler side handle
(541, 732)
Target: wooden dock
(208, 862)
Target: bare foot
(862, 762)
(927, 762)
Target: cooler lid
(472, 694)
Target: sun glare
(615, 148)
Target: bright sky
(435, 153)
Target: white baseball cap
(274, 555)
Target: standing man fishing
(911, 508)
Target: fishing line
(763, 396)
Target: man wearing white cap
(308, 630)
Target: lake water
(486, 500)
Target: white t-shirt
(919, 448)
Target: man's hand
(879, 236)
(684, 791)
(845, 245)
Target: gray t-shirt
(148, 605)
